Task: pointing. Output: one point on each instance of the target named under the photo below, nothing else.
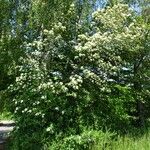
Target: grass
(127, 142)
(5, 115)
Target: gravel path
(6, 126)
(5, 129)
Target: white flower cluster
(82, 37)
(49, 33)
(59, 27)
(94, 78)
(113, 18)
(47, 85)
(22, 76)
(75, 81)
(71, 10)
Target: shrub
(85, 141)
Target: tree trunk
(140, 109)
(140, 104)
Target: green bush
(84, 141)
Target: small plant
(5, 115)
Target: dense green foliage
(69, 73)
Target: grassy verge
(127, 142)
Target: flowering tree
(67, 79)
